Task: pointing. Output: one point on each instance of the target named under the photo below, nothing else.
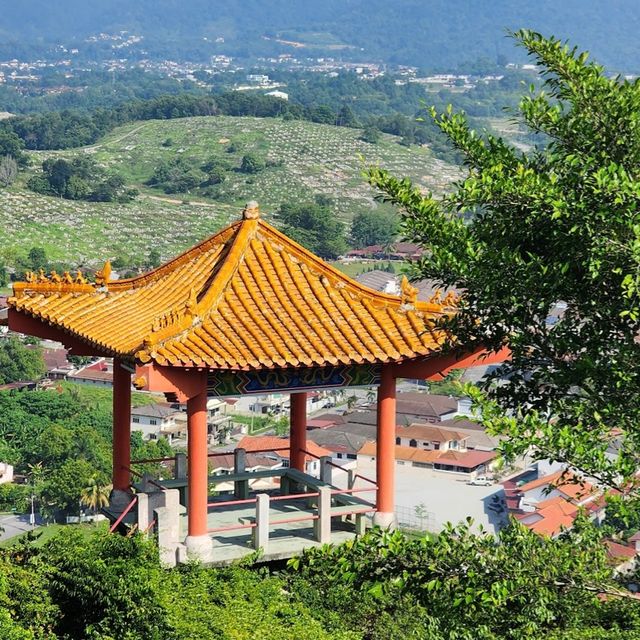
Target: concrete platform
(285, 540)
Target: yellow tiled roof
(249, 297)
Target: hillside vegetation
(297, 160)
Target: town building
(278, 94)
(97, 374)
(157, 420)
(278, 449)
(468, 464)
(549, 503)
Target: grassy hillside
(306, 159)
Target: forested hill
(435, 34)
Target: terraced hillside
(302, 158)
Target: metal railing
(121, 517)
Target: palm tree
(95, 495)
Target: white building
(279, 94)
(6, 473)
(157, 420)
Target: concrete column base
(384, 520)
(199, 548)
(119, 499)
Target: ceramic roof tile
(246, 298)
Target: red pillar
(386, 450)
(121, 427)
(298, 430)
(197, 463)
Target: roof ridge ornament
(251, 211)
(104, 275)
(409, 292)
(40, 282)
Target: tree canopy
(19, 362)
(456, 586)
(373, 227)
(545, 244)
(315, 226)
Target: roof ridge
(337, 275)
(201, 304)
(177, 261)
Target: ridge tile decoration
(248, 298)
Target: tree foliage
(251, 163)
(373, 227)
(315, 226)
(62, 443)
(19, 362)
(456, 586)
(8, 171)
(463, 585)
(550, 232)
(80, 179)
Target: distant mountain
(429, 33)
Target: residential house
(550, 503)
(623, 557)
(57, 364)
(277, 449)
(157, 420)
(431, 438)
(396, 251)
(225, 465)
(413, 406)
(97, 374)
(218, 421)
(469, 464)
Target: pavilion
(246, 311)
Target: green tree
(76, 188)
(463, 585)
(19, 362)
(64, 486)
(346, 117)
(154, 259)
(37, 259)
(216, 175)
(11, 145)
(370, 134)
(315, 226)
(8, 171)
(373, 227)
(551, 232)
(96, 494)
(251, 164)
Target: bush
(251, 164)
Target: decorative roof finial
(251, 211)
(103, 276)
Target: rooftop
(279, 445)
(465, 459)
(429, 432)
(246, 298)
(156, 410)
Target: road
(13, 525)
(93, 147)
